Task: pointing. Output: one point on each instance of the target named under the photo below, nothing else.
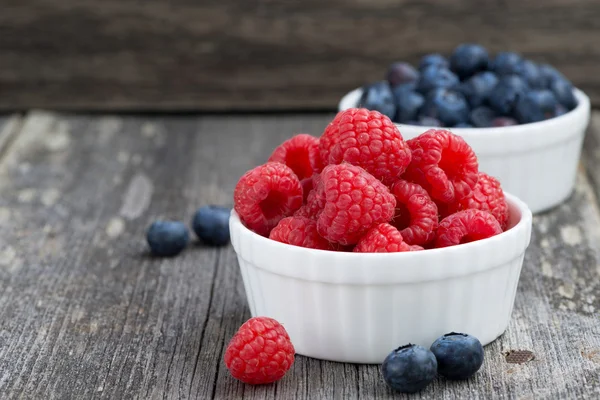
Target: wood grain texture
(224, 55)
(87, 313)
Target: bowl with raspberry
(358, 240)
(525, 120)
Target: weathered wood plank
(223, 55)
(87, 313)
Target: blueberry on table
(211, 225)
(401, 72)
(448, 106)
(434, 77)
(409, 368)
(506, 63)
(563, 91)
(459, 356)
(378, 97)
(468, 59)
(478, 88)
(482, 117)
(433, 59)
(408, 104)
(534, 106)
(529, 71)
(167, 238)
(504, 121)
(505, 95)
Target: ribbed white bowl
(357, 307)
(536, 162)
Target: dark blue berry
(504, 121)
(482, 117)
(448, 106)
(563, 91)
(409, 368)
(167, 238)
(478, 88)
(559, 110)
(378, 96)
(430, 122)
(549, 73)
(468, 59)
(529, 71)
(506, 63)
(434, 77)
(211, 224)
(434, 59)
(408, 104)
(459, 356)
(505, 95)
(401, 72)
(534, 106)
(463, 125)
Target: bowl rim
(524, 223)
(583, 105)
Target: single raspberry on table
(383, 238)
(299, 231)
(466, 226)
(300, 153)
(367, 139)
(260, 352)
(486, 196)
(416, 215)
(265, 195)
(351, 201)
(443, 164)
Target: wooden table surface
(86, 313)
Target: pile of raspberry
(361, 187)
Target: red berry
(486, 196)
(351, 202)
(415, 247)
(260, 352)
(299, 231)
(466, 226)
(300, 153)
(265, 195)
(367, 139)
(443, 164)
(416, 215)
(383, 238)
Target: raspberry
(351, 202)
(383, 238)
(416, 214)
(265, 195)
(486, 196)
(466, 226)
(260, 352)
(415, 247)
(300, 153)
(299, 231)
(308, 184)
(367, 139)
(443, 164)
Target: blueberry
(479, 87)
(409, 368)
(458, 355)
(549, 73)
(430, 122)
(529, 71)
(378, 96)
(482, 117)
(563, 91)
(401, 72)
(408, 104)
(505, 95)
(534, 106)
(559, 110)
(211, 224)
(506, 63)
(504, 121)
(463, 125)
(434, 77)
(167, 238)
(434, 59)
(448, 106)
(468, 59)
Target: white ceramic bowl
(536, 162)
(357, 307)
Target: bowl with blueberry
(525, 120)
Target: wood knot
(518, 356)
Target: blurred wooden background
(190, 55)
